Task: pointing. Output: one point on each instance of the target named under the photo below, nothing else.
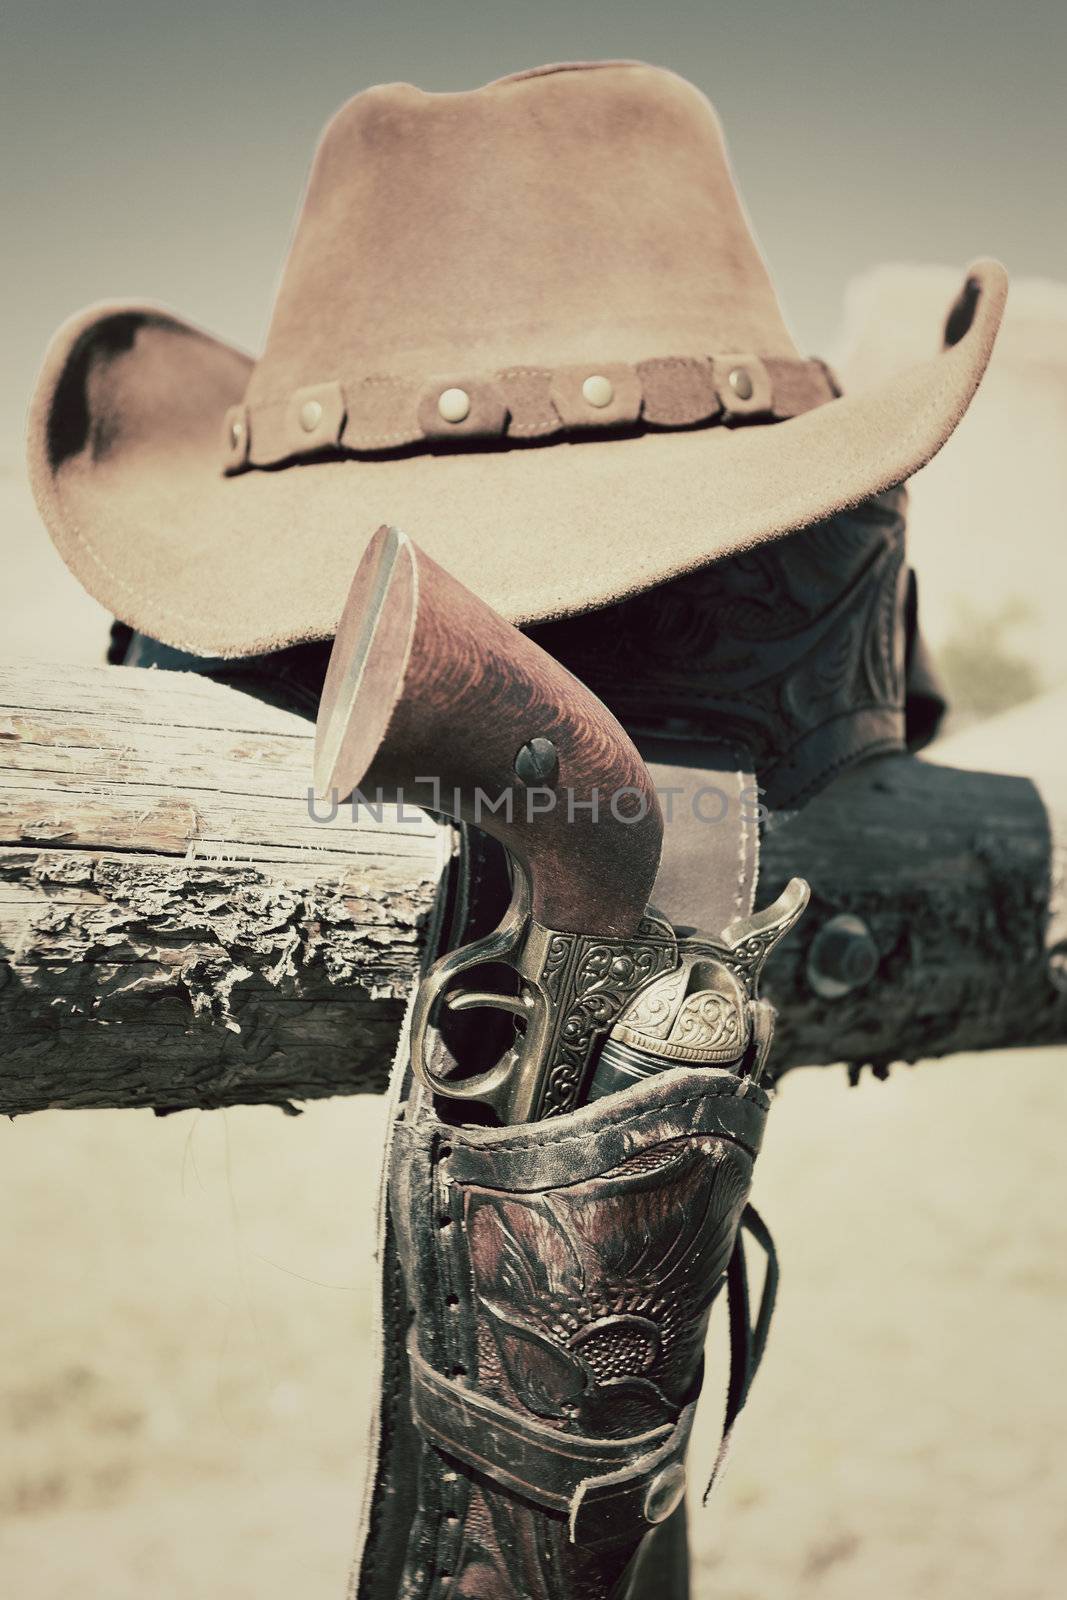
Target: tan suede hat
(529, 325)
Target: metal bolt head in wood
(843, 957)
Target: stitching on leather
(390, 1395)
(875, 747)
(662, 363)
(440, 1186)
(363, 441)
(382, 378)
(542, 429)
(742, 843)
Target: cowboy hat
(530, 325)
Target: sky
(159, 150)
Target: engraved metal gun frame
(652, 991)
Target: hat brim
(125, 461)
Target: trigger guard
(483, 1088)
(431, 992)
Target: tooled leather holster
(563, 1277)
(791, 663)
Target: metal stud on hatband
(740, 381)
(310, 415)
(454, 405)
(664, 1493)
(598, 391)
(237, 433)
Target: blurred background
(184, 1351)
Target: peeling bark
(211, 945)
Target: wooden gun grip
(426, 683)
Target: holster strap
(748, 1339)
(605, 1487)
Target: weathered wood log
(952, 874)
(176, 930)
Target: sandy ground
(187, 1301)
(183, 1363)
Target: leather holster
(557, 1279)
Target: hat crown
(582, 213)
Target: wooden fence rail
(176, 930)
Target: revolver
(432, 698)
